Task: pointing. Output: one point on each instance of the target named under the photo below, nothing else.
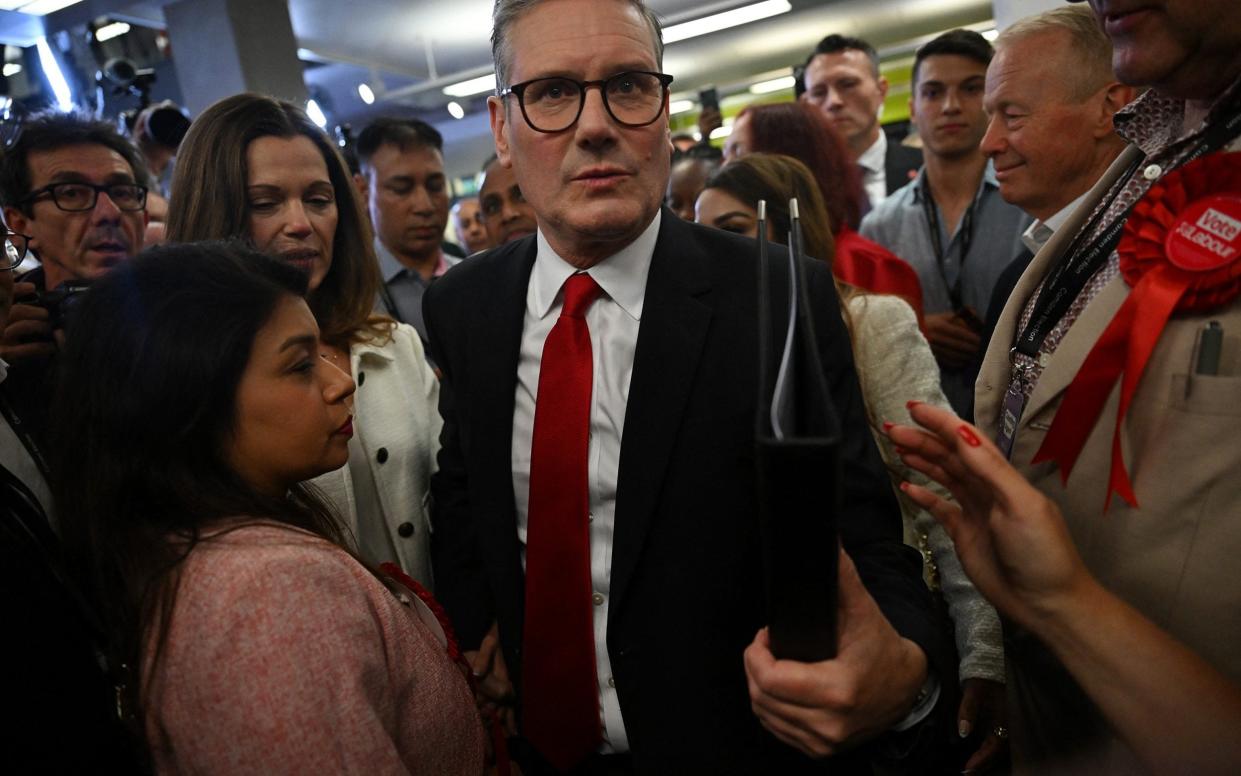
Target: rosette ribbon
(1180, 251)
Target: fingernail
(899, 450)
(909, 405)
(967, 433)
(904, 486)
(963, 728)
(887, 426)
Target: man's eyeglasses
(15, 246)
(632, 99)
(77, 197)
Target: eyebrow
(731, 214)
(73, 176)
(300, 340)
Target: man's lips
(1117, 21)
(603, 176)
(346, 428)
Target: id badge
(1010, 413)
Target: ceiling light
(316, 113)
(55, 78)
(991, 35)
(774, 85)
(720, 132)
(366, 93)
(44, 7)
(680, 106)
(722, 21)
(11, 69)
(484, 83)
(455, 110)
(110, 31)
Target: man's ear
(1115, 96)
(883, 90)
(363, 187)
(498, 112)
(18, 222)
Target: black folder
(797, 445)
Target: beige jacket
(1174, 557)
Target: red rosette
(1181, 199)
(1179, 251)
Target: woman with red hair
(799, 131)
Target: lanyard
(1081, 260)
(931, 212)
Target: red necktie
(560, 706)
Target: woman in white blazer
(257, 169)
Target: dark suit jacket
(899, 162)
(686, 585)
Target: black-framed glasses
(15, 247)
(77, 197)
(632, 99)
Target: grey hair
(1089, 47)
(507, 12)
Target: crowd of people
(306, 488)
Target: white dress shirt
(1039, 232)
(874, 164)
(613, 320)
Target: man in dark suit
(842, 79)
(626, 650)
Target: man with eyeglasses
(70, 185)
(595, 509)
(60, 685)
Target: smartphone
(709, 98)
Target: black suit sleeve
(460, 578)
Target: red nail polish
(887, 426)
(900, 450)
(909, 405)
(967, 433)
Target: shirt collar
(875, 157)
(391, 268)
(988, 179)
(1153, 121)
(1038, 233)
(622, 276)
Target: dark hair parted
(507, 12)
(961, 43)
(51, 131)
(144, 411)
(405, 134)
(777, 179)
(835, 44)
(804, 133)
(209, 202)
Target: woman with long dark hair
(256, 168)
(193, 403)
(894, 365)
(797, 130)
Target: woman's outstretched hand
(1011, 539)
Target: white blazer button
(1152, 172)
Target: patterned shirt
(1153, 123)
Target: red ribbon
(1179, 252)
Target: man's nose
(993, 140)
(106, 209)
(595, 124)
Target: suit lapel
(675, 320)
(1068, 358)
(496, 344)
